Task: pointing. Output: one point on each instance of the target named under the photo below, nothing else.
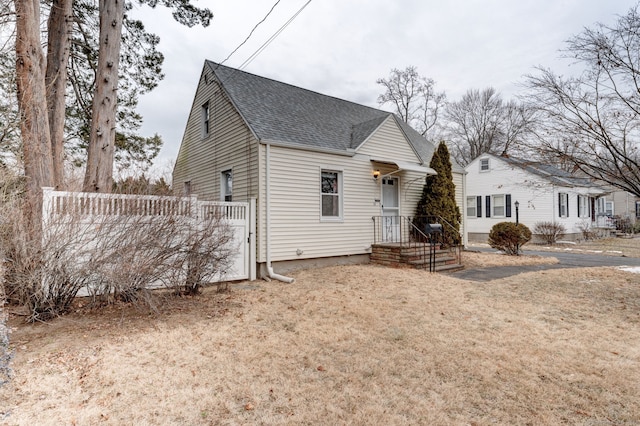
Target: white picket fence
(240, 216)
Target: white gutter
(270, 272)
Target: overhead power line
(251, 33)
(273, 37)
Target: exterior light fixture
(376, 175)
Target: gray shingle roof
(281, 112)
(553, 174)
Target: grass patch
(352, 344)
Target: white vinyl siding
(229, 145)
(537, 197)
(296, 204)
(388, 142)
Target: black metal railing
(424, 234)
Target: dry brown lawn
(629, 247)
(345, 345)
(471, 259)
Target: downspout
(270, 272)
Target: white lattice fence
(85, 212)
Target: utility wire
(273, 37)
(251, 33)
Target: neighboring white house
(544, 194)
(319, 167)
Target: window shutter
(479, 206)
(559, 205)
(488, 206)
(567, 203)
(507, 205)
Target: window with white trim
(563, 204)
(498, 209)
(583, 206)
(638, 209)
(226, 185)
(484, 164)
(609, 208)
(330, 194)
(205, 119)
(472, 208)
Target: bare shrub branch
(550, 232)
(118, 253)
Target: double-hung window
(331, 194)
(205, 119)
(474, 206)
(563, 204)
(498, 205)
(484, 164)
(583, 206)
(226, 185)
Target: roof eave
(303, 147)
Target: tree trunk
(99, 174)
(56, 81)
(32, 102)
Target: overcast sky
(340, 47)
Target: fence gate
(240, 217)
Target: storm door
(390, 210)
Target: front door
(390, 210)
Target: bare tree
(591, 121)
(481, 122)
(414, 98)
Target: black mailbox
(432, 228)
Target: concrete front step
(415, 257)
(438, 261)
(452, 267)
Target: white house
(622, 206)
(543, 193)
(319, 167)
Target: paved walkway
(567, 260)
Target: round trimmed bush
(509, 237)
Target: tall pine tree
(439, 195)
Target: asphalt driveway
(567, 260)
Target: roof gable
(548, 172)
(283, 113)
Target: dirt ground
(344, 345)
